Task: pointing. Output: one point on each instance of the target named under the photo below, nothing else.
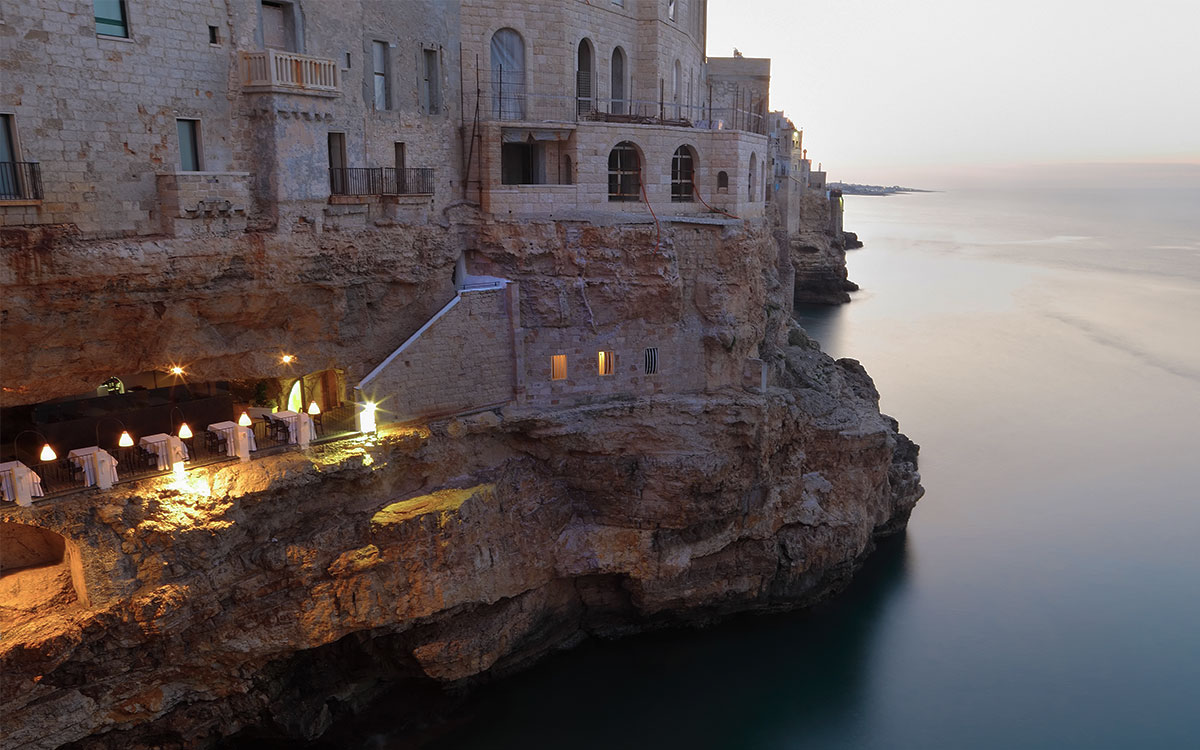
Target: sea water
(1044, 349)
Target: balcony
(363, 181)
(20, 181)
(276, 71)
(504, 96)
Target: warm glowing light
(125, 441)
(179, 471)
(176, 370)
(287, 359)
(48, 453)
(185, 432)
(244, 420)
(367, 418)
(313, 409)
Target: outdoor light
(125, 440)
(244, 420)
(313, 409)
(287, 359)
(367, 418)
(176, 370)
(48, 453)
(185, 432)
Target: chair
(214, 442)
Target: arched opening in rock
(40, 571)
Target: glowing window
(558, 367)
(606, 360)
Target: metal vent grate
(651, 360)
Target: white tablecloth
(288, 418)
(13, 474)
(227, 430)
(93, 460)
(169, 449)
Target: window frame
(124, 21)
(606, 362)
(558, 367)
(377, 75)
(431, 94)
(622, 174)
(197, 140)
(678, 194)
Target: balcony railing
(506, 97)
(380, 181)
(20, 181)
(288, 72)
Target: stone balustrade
(276, 71)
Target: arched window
(508, 75)
(624, 173)
(683, 172)
(584, 80)
(618, 81)
(750, 181)
(722, 182)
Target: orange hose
(696, 190)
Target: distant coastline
(856, 189)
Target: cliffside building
(218, 206)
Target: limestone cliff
(819, 255)
(283, 592)
(436, 556)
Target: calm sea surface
(1044, 350)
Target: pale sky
(920, 91)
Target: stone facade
(462, 359)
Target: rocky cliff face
(433, 557)
(819, 258)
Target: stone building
(300, 198)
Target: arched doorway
(584, 80)
(618, 81)
(683, 174)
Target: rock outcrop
(432, 557)
(819, 257)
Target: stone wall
(99, 113)
(462, 359)
(203, 202)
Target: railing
(20, 181)
(335, 422)
(505, 97)
(380, 181)
(274, 69)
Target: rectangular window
(522, 164)
(651, 360)
(671, 9)
(401, 172)
(214, 35)
(110, 18)
(10, 170)
(606, 361)
(347, 65)
(379, 58)
(433, 93)
(558, 367)
(190, 158)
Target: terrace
(95, 441)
